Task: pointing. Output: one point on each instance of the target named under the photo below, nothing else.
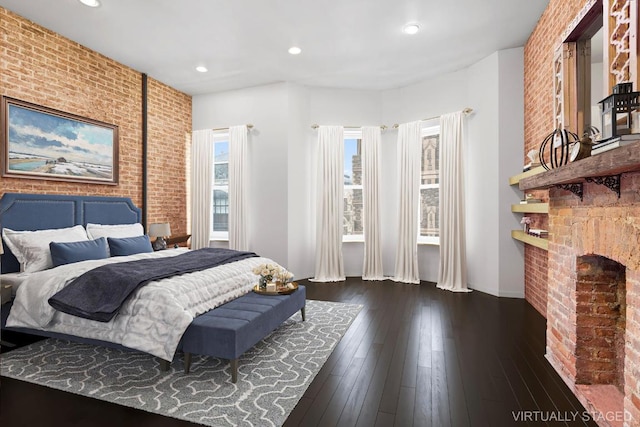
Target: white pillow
(95, 231)
(31, 248)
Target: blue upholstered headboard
(43, 211)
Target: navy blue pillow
(129, 245)
(70, 252)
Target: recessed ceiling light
(90, 3)
(411, 28)
(201, 69)
(294, 50)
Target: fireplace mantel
(612, 162)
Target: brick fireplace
(593, 305)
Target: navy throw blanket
(98, 294)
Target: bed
(44, 212)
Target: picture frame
(43, 143)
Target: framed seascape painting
(43, 143)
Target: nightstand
(177, 241)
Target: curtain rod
(466, 112)
(315, 126)
(249, 127)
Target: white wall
(510, 150)
(444, 94)
(482, 176)
(344, 107)
(347, 108)
(266, 107)
(359, 108)
(283, 173)
(301, 244)
(494, 153)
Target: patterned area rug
(272, 376)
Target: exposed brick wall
(169, 126)
(538, 71)
(535, 280)
(42, 67)
(538, 119)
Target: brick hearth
(593, 306)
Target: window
(353, 222)
(429, 228)
(220, 220)
(429, 216)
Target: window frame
(218, 138)
(428, 130)
(346, 238)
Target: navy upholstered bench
(233, 328)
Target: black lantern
(619, 110)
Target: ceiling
(355, 44)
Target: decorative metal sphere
(554, 150)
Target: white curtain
(238, 180)
(371, 140)
(452, 274)
(202, 149)
(409, 153)
(329, 205)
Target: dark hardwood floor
(414, 356)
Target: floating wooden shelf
(542, 208)
(516, 178)
(613, 162)
(530, 240)
(531, 208)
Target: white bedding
(13, 279)
(152, 320)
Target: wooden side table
(177, 241)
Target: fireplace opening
(600, 321)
